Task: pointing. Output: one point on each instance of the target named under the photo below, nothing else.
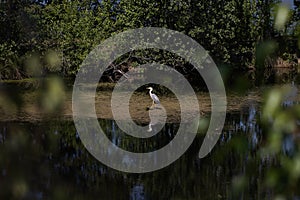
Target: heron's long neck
(150, 92)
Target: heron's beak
(148, 88)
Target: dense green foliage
(229, 30)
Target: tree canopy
(230, 30)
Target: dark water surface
(47, 160)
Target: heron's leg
(151, 107)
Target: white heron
(153, 96)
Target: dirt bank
(30, 109)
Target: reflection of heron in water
(150, 127)
(153, 97)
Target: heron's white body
(153, 96)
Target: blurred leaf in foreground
(282, 16)
(54, 94)
(53, 61)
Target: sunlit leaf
(284, 122)
(203, 125)
(53, 61)
(272, 104)
(282, 16)
(54, 94)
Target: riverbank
(25, 105)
